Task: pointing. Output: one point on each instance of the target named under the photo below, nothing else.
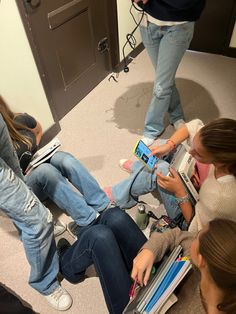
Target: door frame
(114, 51)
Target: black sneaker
(62, 246)
(73, 229)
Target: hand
(160, 150)
(171, 183)
(142, 266)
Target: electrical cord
(130, 39)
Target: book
(184, 164)
(43, 154)
(157, 296)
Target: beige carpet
(103, 128)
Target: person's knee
(116, 216)
(99, 234)
(160, 90)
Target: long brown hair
(218, 247)
(13, 126)
(219, 139)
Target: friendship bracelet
(184, 199)
(172, 143)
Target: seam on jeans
(104, 286)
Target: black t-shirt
(23, 152)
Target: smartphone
(142, 152)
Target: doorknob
(33, 3)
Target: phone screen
(142, 152)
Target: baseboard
(50, 134)
(120, 66)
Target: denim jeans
(142, 181)
(31, 218)
(58, 179)
(166, 46)
(111, 244)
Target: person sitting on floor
(54, 178)
(214, 148)
(115, 245)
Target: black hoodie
(174, 10)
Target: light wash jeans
(142, 181)
(57, 181)
(31, 218)
(166, 46)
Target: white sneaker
(179, 123)
(147, 140)
(59, 227)
(59, 299)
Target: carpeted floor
(102, 129)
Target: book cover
(43, 154)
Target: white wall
(20, 84)
(126, 25)
(233, 38)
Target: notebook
(184, 164)
(43, 154)
(157, 296)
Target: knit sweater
(217, 197)
(174, 10)
(188, 293)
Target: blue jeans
(31, 218)
(166, 46)
(111, 244)
(142, 181)
(58, 179)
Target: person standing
(166, 29)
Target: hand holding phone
(144, 154)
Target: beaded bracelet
(184, 199)
(172, 143)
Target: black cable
(130, 39)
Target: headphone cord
(130, 39)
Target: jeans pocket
(147, 34)
(181, 34)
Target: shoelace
(57, 293)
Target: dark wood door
(214, 28)
(65, 36)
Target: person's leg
(35, 223)
(177, 40)
(98, 245)
(47, 180)
(78, 175)
(128, 235)
(151, 37)
(169, 56)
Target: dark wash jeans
(111, 244)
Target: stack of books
(157, 296)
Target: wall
(20, 84)
(126, 25)
(233, 38)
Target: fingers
(147, 275)
(173, 172)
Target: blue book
(168, 279)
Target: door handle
(33, 3)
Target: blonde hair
(13, 126)
(218, 247)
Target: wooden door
(65, 35)
(214, 29)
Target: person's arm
(155, 249)
(177, 138)
(174, 185)
(37, 132)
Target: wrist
(171, 144)
(183, 199)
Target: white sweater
(217, 197)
